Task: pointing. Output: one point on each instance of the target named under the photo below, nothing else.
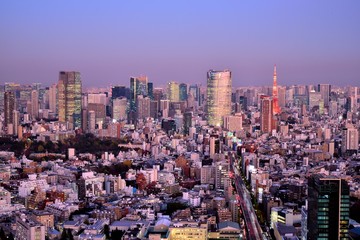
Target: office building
(325, 90)
(9, 107)
(173, 91)
(69, 98)
(314, 99)
(34, 111)
(53, 98)
(183, 93)
(118, 92)
(119, 109)
(233, 123)
(143, 107)
(328, 208)
(266, 114)
(218, 96)
(350, 139)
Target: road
(253, 228)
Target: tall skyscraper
(9, 107)
(218, 96)
(34, 104)
(53, 98)
(276, 108)
(324, 90)
(266, 114)
(173, 91)
(183, 93)
(138, 86)
(69, 98)
(328, 208)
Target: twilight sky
(109, 41)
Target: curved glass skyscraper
(218, 96)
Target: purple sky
(109, 41)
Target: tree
(107, 231)
(64, 235)
(2, 234)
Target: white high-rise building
(218, 96)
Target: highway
(253, 228)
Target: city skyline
(310, 42)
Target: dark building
(168, 125)
(187, 122)
(243, 103)
(154, 109)
(183, 95)
(9, 107)
(118, 91)
(328, 208)
(150, 90)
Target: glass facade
(218, 96)
(328, 208)
(69, 94)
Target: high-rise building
(143, 107)
(275, 99)
(328, 208)
(138, 86)
(218, 96)
(194, 90)
(325, 90)
(183, 93)
(150, 90)
(221, 174)
(9, 107)
(350, 139)
(266, 114)
(118, 91)
(282, 97)
(187, 122)
(154, 109)
(34, 104)
(233, 123)
(53, 98)
(314, 99)
(69, 98)
(119, 109)
(173, 91)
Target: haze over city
(310, 41)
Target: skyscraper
(118, 91)
(53, 98)
(324, 90)
(138, 86)
(350, 139)
(173, 91)
(183, 92)
(266, 114)
(276, 108)
(328, 208)
(69, 98)
(218, 96)
(9, 107)
(34, 104)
